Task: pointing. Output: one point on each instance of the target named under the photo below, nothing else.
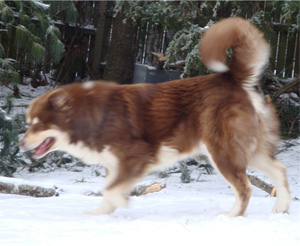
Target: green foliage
(37, 53)
(171, 15)
(56, 46)
(72, 13)
(2, 53)
(7, 71)
(7, 14)
(289, 13)
(63, 10)
(8, 145)
(29, 40)
(186, 44)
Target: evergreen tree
(29, 39)
(8, 145)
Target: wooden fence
(285, 46)
(284, 61)
(285, 51)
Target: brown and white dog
(133, 129)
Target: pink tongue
(43, 147)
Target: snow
(43, 6)
(180, 214)
(5, 116)
(27, 94)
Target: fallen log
(27, 190)
(146, 189)
(262, 185)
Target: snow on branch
(27, 190)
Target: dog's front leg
(112, 197)
(111, 201)
(118, 183)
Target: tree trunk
(121, 53)
(102, 6)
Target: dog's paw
(228, 214)
(282, 205)
(104, 209)
(283, 209)
(121, 201)
(98, 211)
(90, 213)
(224, 213)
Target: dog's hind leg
(234, 172)
(276, 171)
(241, 185)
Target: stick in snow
(27, 190)
(262, 185)
(146, 189)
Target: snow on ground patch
(151, 220)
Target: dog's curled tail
(250, 51)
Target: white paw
(282, 204)
(121, 201)
(229, 214)
(98, 212)
(91, 213)
(281, 208)
(105, 208)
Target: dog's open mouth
(43, 147)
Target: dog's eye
(38, 126)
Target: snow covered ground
(179, 214)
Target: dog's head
(47, 119)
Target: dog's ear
(59, 100)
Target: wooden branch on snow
(138, 190)
(27, 190)
(146, 189)
(262, 185)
